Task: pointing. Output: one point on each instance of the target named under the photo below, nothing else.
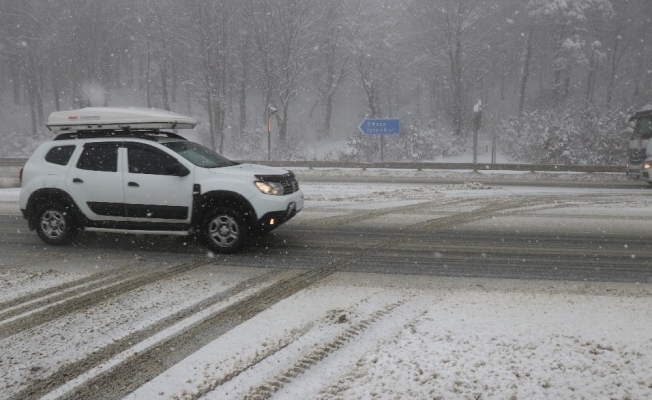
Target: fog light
(272, 221)
(647, 165)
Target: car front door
(158, 187)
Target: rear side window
(60, 155)
(99, 159)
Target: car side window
(145, 161)
(60, 155)
(100, 158)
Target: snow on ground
(422, 337)
(445, 338)
(9, 194)
(507, 345)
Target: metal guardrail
(19, 162)
(12, 162)
(449, 166)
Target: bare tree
(626, 36)
(459, 34)
(372, 31)
(286, 39)
(388, 53)
(332, 64)
(26, 46)
(208, 41)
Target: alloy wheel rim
(53, 224)
(224, 231)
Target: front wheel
(225, 230)
(55, 225)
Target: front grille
(636, 156)
(290, 186)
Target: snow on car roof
(108, 118)
(643, 112)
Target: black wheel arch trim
(45, 195)
(221, 198)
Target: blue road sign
(380, 126)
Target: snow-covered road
(336, 335)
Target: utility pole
(270, 111)
(493, 147)
(477, 116)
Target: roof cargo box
(117, 118)
(645, 112)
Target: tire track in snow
(29, 260)
(305, 363)
(94, 297)
(48, 296)
(119, 381)
(338, 220)
(73, 370)
(123, 378)
(491, 208)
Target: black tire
(55, 225)
(225, 230)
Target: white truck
(121, 170)
(639, 154)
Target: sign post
(493, 148)
(382, 127)
(270, 111)
(477, 116)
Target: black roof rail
(149, 134)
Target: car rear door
(95, 182)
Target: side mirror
(177, 169)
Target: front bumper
(274, 219)
(634, 172)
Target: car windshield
(643, 128)
(199, 155)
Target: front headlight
(647, 165)
(273, 188)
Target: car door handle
(133, 184)
(77, 180)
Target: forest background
(558, 79)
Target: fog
(558, 79)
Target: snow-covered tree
(332, 63)
(207, 60)
(371, 35)
(285, 37)
(563, 20)
(458, 35)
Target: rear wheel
(225, 230)
(55, 225)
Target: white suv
(115, 170)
